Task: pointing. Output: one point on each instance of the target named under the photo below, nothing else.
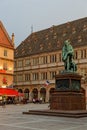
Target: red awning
(8, 92)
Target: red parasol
(8, 92)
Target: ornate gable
(5, 40)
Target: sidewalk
(11, 118)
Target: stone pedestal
(68, 82)
(68, 94)
(66, 100)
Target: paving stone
(11, 118)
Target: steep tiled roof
(52, 39)
(5, 40)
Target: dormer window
(58, 43)
(41, 46)
(79, 39)
(47, 37)
(55, 36)
(49, 45)
(64, 33)
(73, 30)
(84, 28)
(30, 49)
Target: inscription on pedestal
(62, 84)
(70, 82)
(75, 84)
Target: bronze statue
(67, 57)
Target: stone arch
(35, 93)
(43, 94)
(26, 93)
(51, 90)
(20, 90)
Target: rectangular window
(27, 77)
(84, 53)
(43, 60)
(27, 62)
(35, 76)
(53, 58)
(20, 78)
(5, 52)
(36, 61)
(44, 75)
(81, 54)
(52, 74)
(20, 63)
(60, 57)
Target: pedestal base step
(59, 113)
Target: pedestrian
(40, 100)
(3, 102)
(33, 100)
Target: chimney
(13, 39)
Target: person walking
(4, 102)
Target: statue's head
(66, 42)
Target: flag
(47, 83)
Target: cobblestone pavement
(11, 118)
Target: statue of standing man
(67, 57)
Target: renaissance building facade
(38, 58)
(6, 57)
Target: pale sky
(19, 16)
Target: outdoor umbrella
(8, 92)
